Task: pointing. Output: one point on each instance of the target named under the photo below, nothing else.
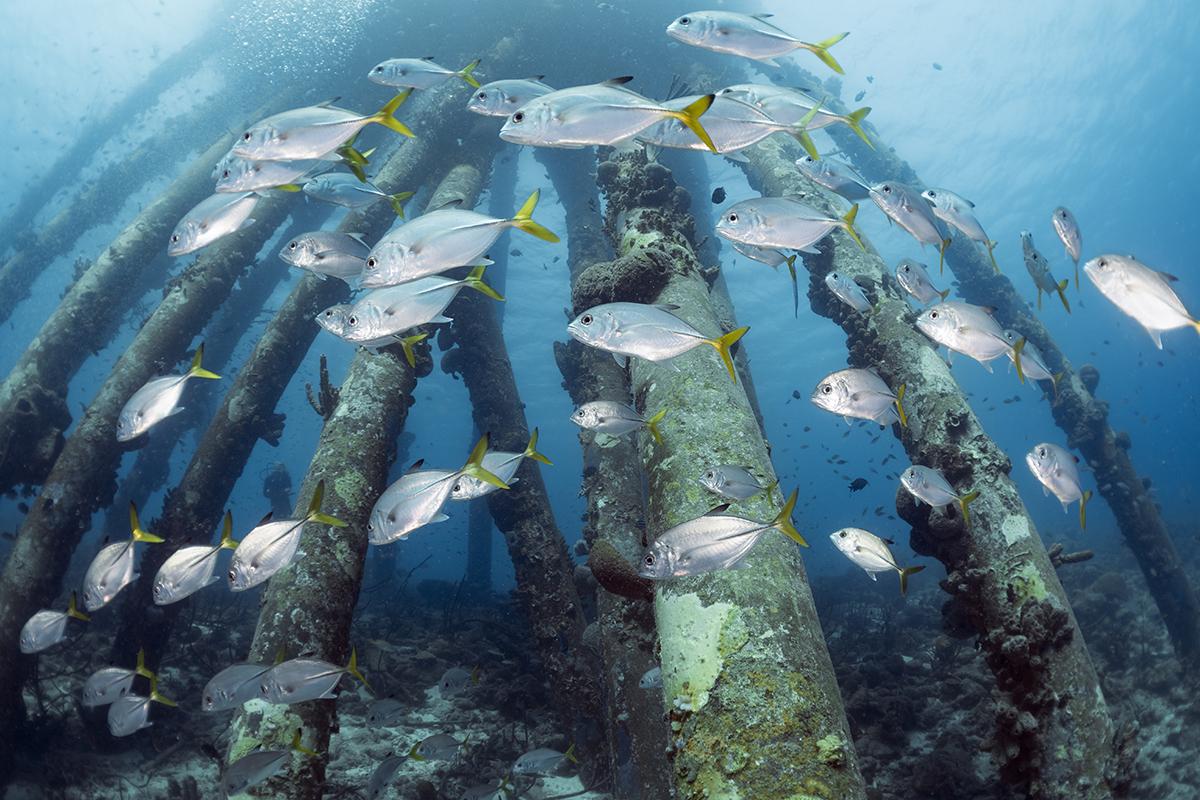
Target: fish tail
(474, 466)
(570, 754)
(524, 219)
(904, 573)
(314, 509)
(397, 201)
(848, 226)
(1054, 379)
(991, 246)
(900, 412)
(723, 343)
(1062, 295)
(1077, 276)
(300, 748)
(783, 520)
(531, 451)
(791, 262)
(135, 526)
(406, 344)
(1039, 291)
(385, 116)
(854, 120)
(350, 155)
(465, 73)
(1017, 349)
(964, 503)
(198, 371)
(288, 187)
(821, 51)
(475, 281)
(141, 668)
(1196, 325)
(944, 293)
(690, 116)
(942, 256)
(156, 696)
(652, 424)
(227, 540)
(352, 668)
(1083, 501)
(413, 754)
(800, 130)
(73, 610)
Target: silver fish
(381, 779)
(787, 105)
(914, 279)
(440, 240)
(157, 400)
(907, 208)
(190, 569)
(871, 553)
(233, 686)
(651, 332)
(419, 73)
(732, 125)
(957, 212)
(967, 329)
(782, 222)
(1033, 364)
(711, 542)
(385, 712)
(499, 789)
(112, 568)
(47, 628)
(210, 219)
(439, 747)
(336, 320)
(272, 544)
(327, 253)
(651, 679)
(1068, 232)
(455, 680)
(501, 98)
(243, 175)
(313, 131)
(1142, 293)
(299, 680)
(849, 292)
(130, 713)
(931, 486)
(598, 114)
(771, 256)
(106, 686)
(860, 394)
(732, 482)
(749, 36)
(616, 419)
(349, 192)
(258, 766)
(503, 465)
(1058, 472)
(543, 761)
(1039, 269)
(835, 176)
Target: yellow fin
(904, 573)
(854, 120)
(1083, 501)
(1061, 285)
(942, 256)
(532, 452)
(524, 219)
(384, 115)
(397, 202)
(197, 371)
(783, 520)
(159, 698)
(314, 509)
(991, 246)
(73, 610)
(964, 502)
(135, 526)
(227, 541)
(900, 405)
(474, 466)
(821, 51)
(690, 116)
(722, 345)
(352, 668)
(652, 424)
(406, 344)
(848, 225)
(800, 130)
(300, 748)
(465, 73)
(475, 281)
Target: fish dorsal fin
(619, 81)
(455, 203)
(358, 237)
(762, 16)
(1168, 277)
(989, 310)
(667, 307)
(328, 103)
(266, 518)
(427, 58)
(888, 541)
(538, 78)
(416, 465)
(717, 510)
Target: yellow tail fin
(800, 130)
(159, 698)
(384, 115)
(1018, 348)
(141, 664)
(524, 219)
(352, 668)
(904, 573)
(289, 187)
(900, 405)
(1062, 295)
(198, 371)
(991, 246)
(1196, 325)
(723, 343)
(964, 502)
(783, 520)
(854, 120)
(944, 293)
(227, 541)
(475, 281)
(397, 201)
(465, 73)
(532, 452)
(821, 51)
(791, 262)
(652, 424)
(1083, 501)
(942, 256)
(135, 526)
(300, 748)
(314, 509)
(406, 344)
(474, 466)
(73, 610)
(570, 754)
(690, 116)
(848, 226)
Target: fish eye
(586, 319)
(833, 275)
(709, 474)
(518, 117)
(685, 21)
(371, 263)
(482, 95)
(826, 388)
(225, 174)
(932, 193)
(887, 189)
(1063, 214)
(291, 245)
(649, 559)
(1103, 262)
(246, 136)
(233, 574)
(379, 68)
(732, 217)
(907, 268)
(933, 314)
(842, 534)
(174, 237)
(1042, 452)
(352, 321)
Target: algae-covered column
(1055, 735)
(1080, 415)
(747, 681)
(615, 521)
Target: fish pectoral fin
(440, 517)
(874, 577)
(622, 360)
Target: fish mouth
(577, 333)
(510, 135)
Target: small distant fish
(348, 191)
(384, 712)
(931, 486)
(1142, 293)
(130, 713)
(651, 679)
(1068, 232)
(914, 279)
(157, 400)
(233, 686)
(749, 36)
(503, 465)
(272, 545)
(860, 394)
(190, 569)
(849, 292)
(106, 686)
(906, 207)
(1039, 269)
(517, 252)
(958, 212)
(439, 747)
(500, 789)
(313, 131)
(211, 219)
(47, 628)
(858, 484)
(381, 779)
(871, 553)
(937, 66)
(1033, 364)
(419, 73)
(543, 761)
(870, 79)
(501, 98)
(651, 332)
(455, 680)
(858, 97)
(616, 419)
(835, 176)
(732, 482)
(327, 253)
(112, 568)
(257, 766)
(718, 195)
(1058, 472)
(243, 175)
(788, 106)
(967, 329)
(299, 680)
